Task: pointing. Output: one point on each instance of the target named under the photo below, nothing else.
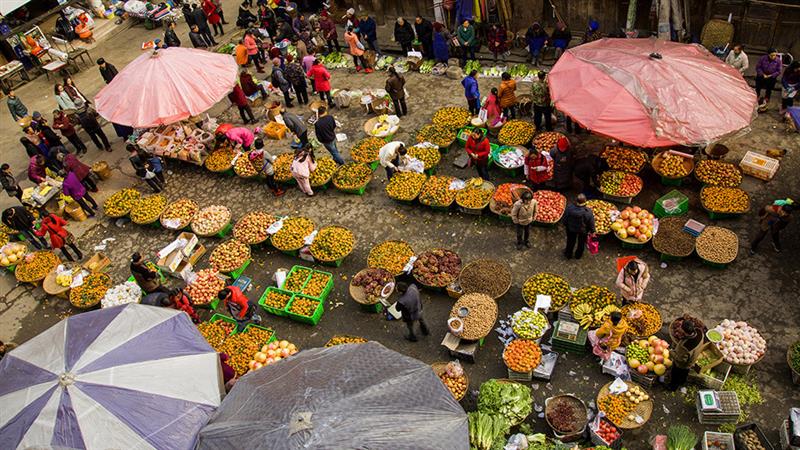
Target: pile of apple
(272, 353)
(649, 356)
(634, 223)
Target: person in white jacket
(393, 157)
(738, 59)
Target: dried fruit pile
(316, 284)
(620, 184)
(252, 228)
(303, 306)
(148, 209)
(634, 223)
(591, 305)
(283, 167)
(428, 155)
(215, 333)
(366, 150)
(602, 212)
(405, 185)
(718, 173)
(332, 243)
(292, 234)
(390, 255)
(211, 219)
(487, 276)
(480, 318)
(372, 280)
(671, 166)
(624, 159)
(729, 200)
(92, 290)
(550, 206)
(522, 355)
(220, 160)
(35, 266)
(323, 173)
(352, 176)
(437, 267)
(229, 255)
(643, 319)
(547, 284)
(182, 210)
(671, 239)
(475, 195)
(277, 300)
(341, 340)
(205, 287)
(544, 142)
(451, 117)
(246, 168)
(120, 202)
(438, 135)
(436, 191)
(717, 245)
(296, 280)
(566, 415)
(516, 132)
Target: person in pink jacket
(242, 136)
(322, 81)
(302, 166)
(357, 50)
(253, 55)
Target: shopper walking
(395, 86)
(9, 183)
(632, 280)
(685, 353)
(767, 70)
(522, 214)
(72, 187)
(356, 50)
(146, 174)
(17, 109)
(322, 81)
(325, 130)
(403, 35)
(240, 100)
(410, 307)
(302, 167)
(772, 219)
(197, 38)
(279, 80)
(467, 41)
(297, 78)
(579, 223)
(478, 148)
(201, 20)
(369, 31)
(71, 163)
(471, 92)
(92, 127)
(267, 168)
(53, 226)
(18, 218)
(62, 123)
(542, 105)
(508, 96)
(329, 32)
(297, 126)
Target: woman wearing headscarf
(632, 280)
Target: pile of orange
(522, 355)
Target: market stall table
(8, 71)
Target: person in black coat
(579, 222)
(92, 126)
(410, 306)
(107, 70)
(170, 36)
(588, 171)
(197, 39)
(49, 135)
(403, 34)
(424, 31)
(201, 20)
(187, 15)
(245, 19)
(18, 218)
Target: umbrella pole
(663, 20)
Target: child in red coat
(59, 237)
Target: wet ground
(760, 289)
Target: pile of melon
(12, 254)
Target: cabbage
(511, 400)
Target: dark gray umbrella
(354, 396)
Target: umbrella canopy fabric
(166, 86)
(346, 396)
(687, 96)
(131, 376)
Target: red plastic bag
(593, 244)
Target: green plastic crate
(667, 258)
(328, 287)
(212, 305)
(297, 268)
(314, 318)
(676, 204)
(374, 165)
(272, 337)
(217, 317)
(271, 310)
(225, 230)
(236, 272)
(463, 134)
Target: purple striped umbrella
(131, 376)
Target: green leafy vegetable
(794, 356)
(511, 400)
(680, 437)
(486, 429)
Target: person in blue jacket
(470, 83)
(441, 43)
(561, 37)
(368, 30)
(536, 38)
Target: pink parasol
(651, 93)
(166, 86)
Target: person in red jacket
(60, 238)
(538, 168)
(239, 306)
(183, 302)
(478, 150)
(322, 81)
(213, 17)
(238, 98)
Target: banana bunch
(583, 314)
(64, 279)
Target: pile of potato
(229, 256)
(717, 245)
(211, 220)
